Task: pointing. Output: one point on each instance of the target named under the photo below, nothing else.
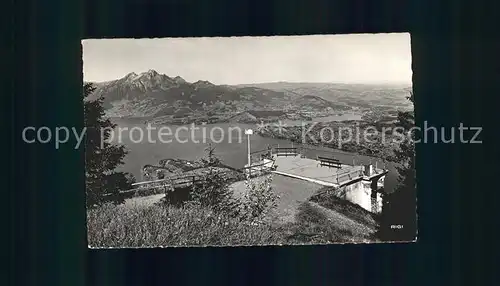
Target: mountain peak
(179, 79)
(203, 83)
(152, 75)
(152, 72)
(131, 75)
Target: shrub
(399, 207)
(258, 201)
(213, 190)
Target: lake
(228, 139)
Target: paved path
(291, 191)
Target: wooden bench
(285, 151)
(329, 162)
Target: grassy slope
(351, 211)
(156, 226)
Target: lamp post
(249, 132)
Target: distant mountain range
(354, 95)
(152, 95)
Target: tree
(210, 160)
(259, 199)
(102, 182)
(399, 208)
(213, 190)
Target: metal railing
(260, 151)
(346, 158)
(184, 181)
(350, 175)
(310, 152)
(259, 169)
(175, 182)
(285, 151)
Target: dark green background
(452, 50)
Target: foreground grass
(152, 226)
(157, 225)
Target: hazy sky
(356, 58)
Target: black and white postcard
(248, 141)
